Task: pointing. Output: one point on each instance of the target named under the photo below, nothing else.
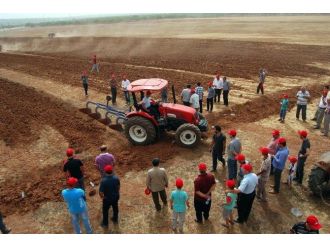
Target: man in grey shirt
(210, 96)
(234, 148)
(302, 100)
(156, 182)
(185, 95)
(226, 88)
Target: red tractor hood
(180, 112)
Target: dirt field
(42, 97)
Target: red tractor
(142, 127)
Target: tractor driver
(149, 105)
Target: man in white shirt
(302, 100)
(218, 86)
(185, 95)
(124, 84)
(322, 107)
(194, 100)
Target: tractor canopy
(152, 84)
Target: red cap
(210, 84)
(179, 183)
(281, 140)
(147, 191)
(247, 167)
(232, 132)
(276, 133)
(192, 91)
(292, 159)
(302, 133)
(202, 167)
(108, 168)
(264, 150)
(240, 157)
(313, 222)
(72, 181)
(285, 96)
(148, 92)
(69, 152)
(230, 183)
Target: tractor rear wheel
(317, 181)
(188, 135)
(140, 131)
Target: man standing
(279, 164)
(194, 100)
(74, 168)
(164, 95)
(327, 118)
(226, 89)
(302, 100)
(273, 147)
(103, 159)
(246, 194)
(263, 174)
(310, 226)
(321, 109)
(233, 149)
(210, 96)
(84, 79)
(204, 184)
(95, 65)
(325, 88)
(185, 95)
(218, 85)
(156, 182)
(218, 148)
(124, 84)
(302, 156)
(262, 78)
(3, 228)
(74, 197)
(200, 91)
(109, 192)
(113, 87)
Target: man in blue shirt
(279, 161)
(74, 197)
(109, 192)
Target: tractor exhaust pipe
(173, 93)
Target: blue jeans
(282, 114)
(126, 94)
(76, 222)
(232, 169)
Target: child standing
(179, 203)
(263, 174)
(291, 170)
(284, 107)
(228, 207)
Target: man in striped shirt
(200, 91)
(310, 226)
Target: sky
(72, 8)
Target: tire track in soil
(33, 108)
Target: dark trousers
(201, 106)
(155, 198)
(113, 95)
(244, 205)
(126, 94)
(260, 88)
(225, 97)
(3, 228)
(277, 179)
(186, 103)
(300, 170)
(85, 88)
(217, 94)
(202, 209)
(209, 104)
(271, 166)
(105, 210)
(232, 169)
(216, 155)
(302, 108)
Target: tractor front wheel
(188, 135)
(140, 131)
